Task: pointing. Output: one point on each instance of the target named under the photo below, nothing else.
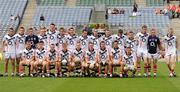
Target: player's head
(41, 45)
(130, 34)
(128, 50)
(120, 32)
(90, 45)
(170, 32)
(153, 32)
(21, 30)
(84, 33)
(144, 29)
(42, 31)
(102, 45)
(71, 31)
(115, 44)
(52, 47)
(107, 33)
(52, 27)
(64, 45)
(30, 31)
(78, 45)
(28, 44)
(62, 31)
(95, 32)
(11, 32)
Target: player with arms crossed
(9, 48)
(153, 45)
(52, 58)
(27, 58)
(115, 58)
(142, 38)
(170, 42)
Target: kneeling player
(52, 59)
(40, 58)
(129, 60)
(27, 58)
(103, 58)
(91, 58)
(115, 58)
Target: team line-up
(92, 55)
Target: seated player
(91, 58)
(78, 57)
(52, 58)
(65, 58)
(129, 60)
(40, 58)
(115, 58)
(27, 58)
(103, 58)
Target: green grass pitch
(160, 84)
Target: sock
(145, 69)
(155, 68)
(149, 68)
(138, 69)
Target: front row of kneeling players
(90, 62)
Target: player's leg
(17, 65)
(58, 68)
(7, 56)
(13, 63)
(48, 68)
(150, 59)
(43, 68)
(155, 67)
(172, 64)
(121, 69)
(145, 64)
(106, 69)
(110, 64)
(21, 68)
(167, 58)
(138, 63)
(99, 69)
(31, 65)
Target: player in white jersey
(95, 39)
(78, 57)
(65, 58)
(170, 43)
(43, 37)
(40, 58)
(71, 39)
(84, 38)
(9, 48)
(20, 45)
(52, 35)
(115, 58)
(91, 58)
(52, 58)
(103, 58)
(131, 42)
(61, 38)
(142, 38)
(120, 37)
(108, 38)
(27, 58)
(129, 59)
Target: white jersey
(129, 59)
(40, 54)
(121, 40)
(28, 53)
(44, 39)
(131, 43)
(103, 55)
(84, 42)
(91, 56)
(61, 40)
(20, 42)
(78, 53)
(52, 38)
(170, 44)
(52, 55)
(96, 42)
(142, 40)
(71, 40)
(108, 41)
(65, 55)
(10, 44)
(116, 54)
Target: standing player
(52, 35)
(52, 58)
(142, 38)
(32, 37)
(170, 42)
(91, 58)
(43, 37)
(153, 45)
(27, 58)
(115, 58)
(61, 38)
(71, 39)
(20, 45)
(9, 48)
(84, 39)
(129, 60)
(120, 37)
(95, 39)
(108, 38)
(131, 42)
(40, 58)
(103, 58)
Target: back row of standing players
(65, 47)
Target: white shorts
(129, 67)
(170, 54)
(153, 56)
(142, 53)
(10, 55)
(116, 62)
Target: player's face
(78, 46)
(71, 32)
(131, 35)
(28, 45)
(102, 45)
(144, 30)
(62, 31)
(30, 32)
(52, 28)
(115, 45)
(90, 46)
(52, 47)
(85, 33)
(95, 33)
(128, 51)
(153, 32)
(42, 32)
(41, 45)
(64, 46)
(108, 33)
(21, 31)
(11, 32)
(170, 32)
